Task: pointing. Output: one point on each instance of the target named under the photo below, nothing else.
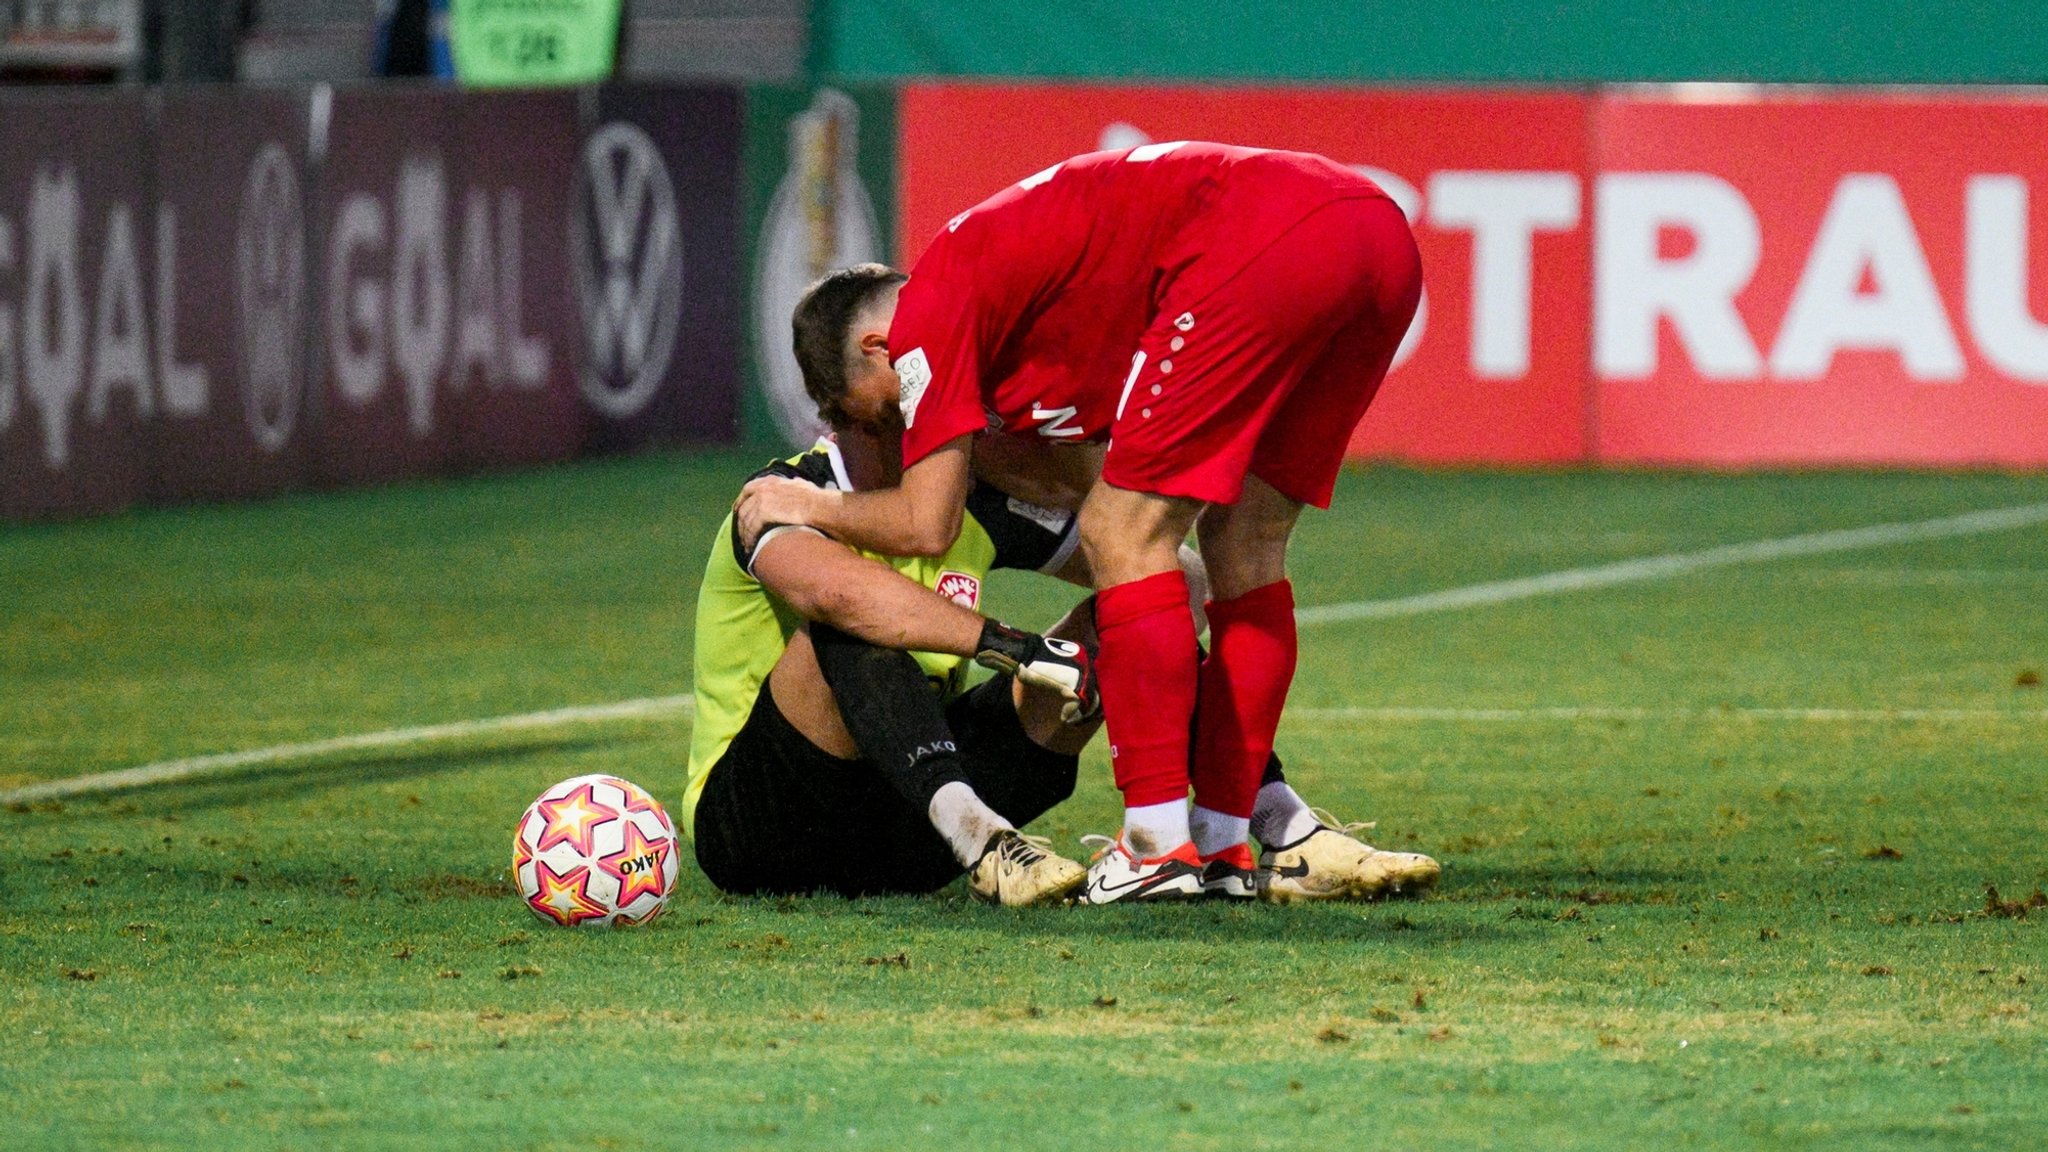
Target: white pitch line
(166, 770)
(1679, 564)
(1570, 714)
(1471, 596)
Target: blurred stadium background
(358, 379)
(1691, 235)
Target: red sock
(1147, 675)
(1244, 686)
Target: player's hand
(1062, 666)
(770, 501)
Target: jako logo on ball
(595, 851)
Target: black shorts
(780, 815)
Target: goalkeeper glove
(1060, 665)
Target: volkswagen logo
(270, 249)
(629, 268)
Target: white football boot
(1230, 874)
(1015, 870)
(1117, 873)
(1331, 864)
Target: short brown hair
(821, 324)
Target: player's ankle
(964, 821)
(1280, 816)
(1215, 831)
(1153, 830)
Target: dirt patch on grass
(2012, 909)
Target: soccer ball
(594, 852)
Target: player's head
(841, 335)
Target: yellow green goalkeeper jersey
(742, 627)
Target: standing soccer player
(1221, 316)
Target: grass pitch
(1716, 848)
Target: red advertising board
(1718, 276)
(1493, 181)
(1805, 279)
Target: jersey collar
(831, 450)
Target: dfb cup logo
(595, 852)
(270, 248)
(960, 588)
(629, 268)
(820, 218)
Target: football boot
(1331, 864)
(1230, 874)
(1117, 873)
(1015, 870)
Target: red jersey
(1025, 314)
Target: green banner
(821, 194)
(1438, 41)
(529, 43)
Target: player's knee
(1241, 560)
(1131, 535)
(1264, 535)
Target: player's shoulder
(818, 465)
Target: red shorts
(1269, 371)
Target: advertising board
(225, 293)
(1812, 280)
(1700, 275)
(1494, 368)
(89, 356)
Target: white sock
(1214, 831)
(966, 823)
(1280, 818)
(1156, 829)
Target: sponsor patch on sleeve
(913, 376)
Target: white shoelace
(1102, 845)
(1328, 820)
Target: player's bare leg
(804, 700)
(1244, 544)
(1149, 681)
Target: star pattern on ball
(652, 857)
(646, 917)
(520, 852)
(638, 800)
(573, 820)
(564, 898)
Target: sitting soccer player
(844, 755)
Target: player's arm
(919, 517)
(823, 580)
